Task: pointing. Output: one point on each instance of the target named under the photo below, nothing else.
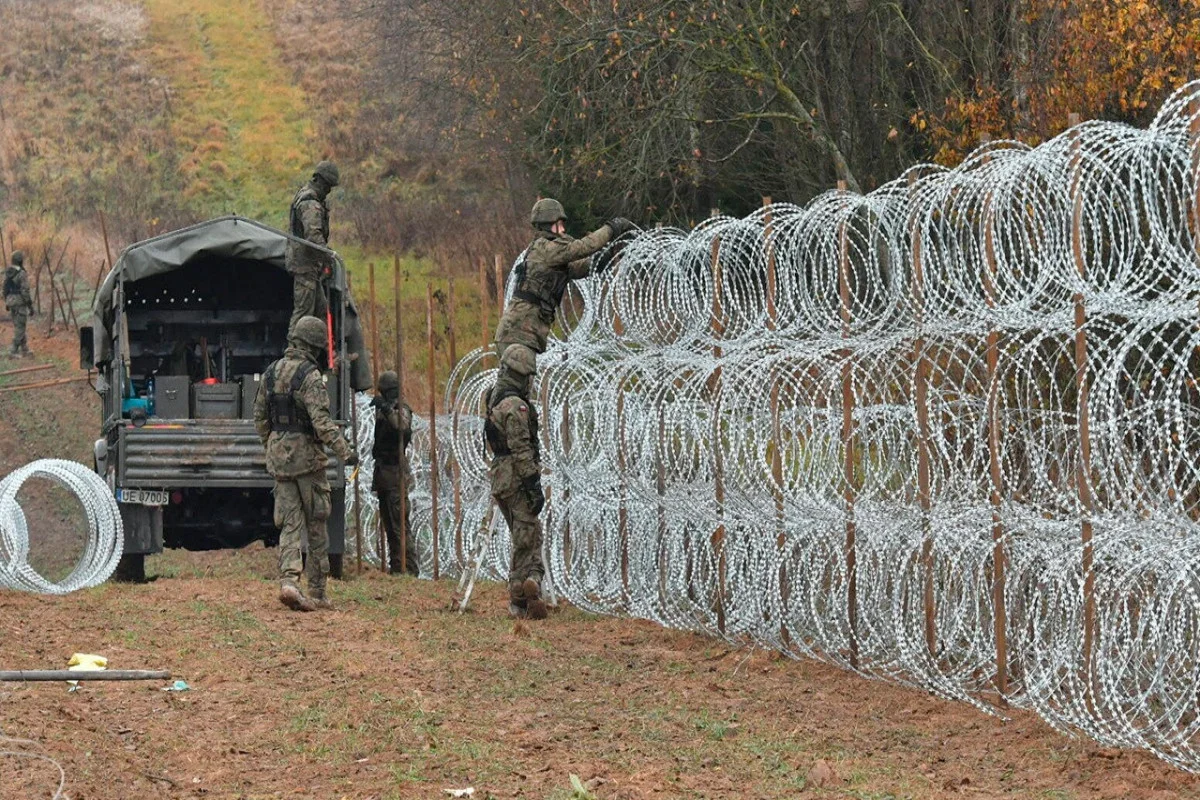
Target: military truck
(183, 328)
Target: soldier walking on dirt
(291, 414)
(308, 219)
(392, 476)
(19, 302)
(511, 430)
(550, 261)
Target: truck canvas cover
(231, 237)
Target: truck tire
(131, 568)
(335, 565)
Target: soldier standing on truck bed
(544, 269)
(291, 414)
(19, 302)
(511, 431)
(308, 219)
(392, 477)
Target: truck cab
(184, 326)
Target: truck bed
(212, 453)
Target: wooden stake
(848, 467)
(107, 249)
(924, 447)
(41, 384)
(500, 285)
(484, 309)
(358, 505)
(717, 539)
(994, 423)
(455, 472)
(1083, 476)
(380, 531)
(433, 462)
(404, 532)
(776, 426)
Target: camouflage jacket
(542, 275)
(308, 219)
(291, 454)
(393, 427)
(16, 288)
(513, 439)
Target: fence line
(943, 434)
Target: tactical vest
(495, 438)
(307, 193)
(386, 449)
(544, 289)
(10, 281)
(283, 412)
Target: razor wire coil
(105, 534)
(970, 364)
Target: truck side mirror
(87, 348)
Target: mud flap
(143, 528)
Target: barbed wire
(945, 434)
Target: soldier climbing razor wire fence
(945, 434)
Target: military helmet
(389, 381)
(329, 171)
(18, 257)
(310, 331)
(519, 359)
(547, 211)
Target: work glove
(619, 226)
(352, 459)
(533, 492)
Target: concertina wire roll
(877, 430)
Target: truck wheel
(335, 565)
(131, 568)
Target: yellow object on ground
(84, 661)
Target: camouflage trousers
(393, 517)
(526, 530)
(308, 300)
(302, 506)
(20, 318)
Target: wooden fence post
(499, 285)
(921, 399)
(380, 533)
(994, 426)
(1083, 477)
(358, 506)
(404, 487)
(776, 426)
(433, 462)
(455, 472)
(848, 466)
(485, 314)
(717, 540)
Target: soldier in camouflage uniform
(511, 429)
(291, 414)
(19, 301)
(391, 480)
(309, 219)
(544, 269)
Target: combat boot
(533, 599)
(320, 601)
(516, 602)
(291, 597)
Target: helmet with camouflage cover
(327, 171)
(519, 360)
(389, 381)
(547, 211)
(310, 331)
(18, 257)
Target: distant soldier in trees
(291, 415)
(553, 259)
(511, 430)
(310, 268)
(392, 477)
(18, 301)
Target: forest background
(448, 119)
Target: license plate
(144, 497)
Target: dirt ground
(394, 696)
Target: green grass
(243, 128)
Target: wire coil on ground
(105, 533)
